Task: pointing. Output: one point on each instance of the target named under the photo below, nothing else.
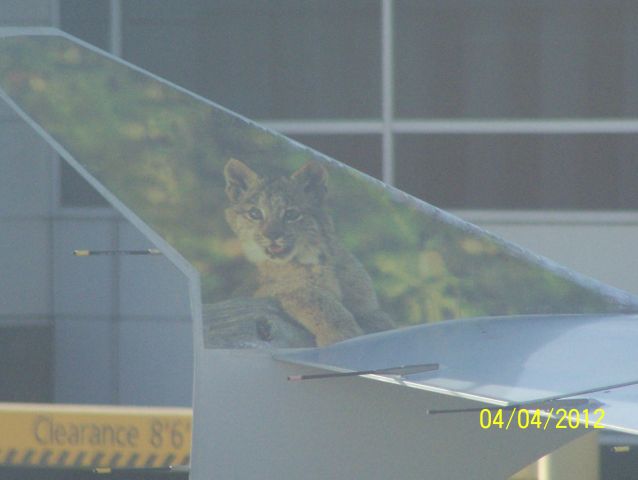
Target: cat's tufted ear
(313, 176)
(239, 178)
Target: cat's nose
(273, 231)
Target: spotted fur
(285, 231)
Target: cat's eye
(292, 215)
(255, 214)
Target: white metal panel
(83, 285)
(155, 362)
(25, 265)
(84, 363)
(25, 182)
(254, 424)
(149, 285)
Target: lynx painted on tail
(285, 231)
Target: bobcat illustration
(285, 231)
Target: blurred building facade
(518, 116)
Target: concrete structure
(120, 332)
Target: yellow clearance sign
(94, 436)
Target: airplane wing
(518, 360)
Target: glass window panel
(87, 19)
(280, 59)
(26, 356)
(516, 59)
(362, 152)
(431, 168)
(580, 172)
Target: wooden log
(247, 322)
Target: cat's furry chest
(281, 278)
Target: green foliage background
(162, 152)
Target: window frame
(389, 125)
